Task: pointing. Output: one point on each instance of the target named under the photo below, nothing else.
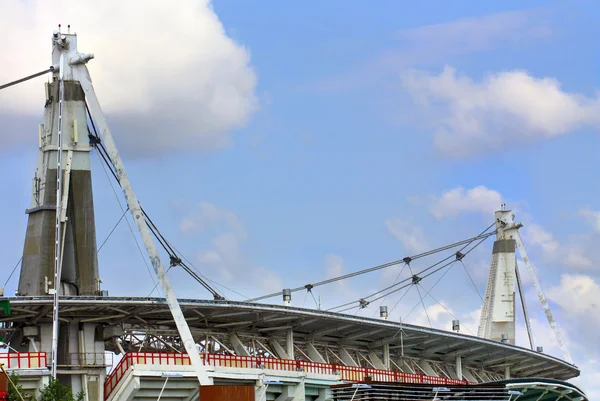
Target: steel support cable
(129, 225)
(442, 276)
(395, 281)
(482, 238)
(189, 262)
(420, 296)
(399, 300)
(13, 272)
(378, 267)
(446, 309)
(175, 260)
(472, 281)
(406, 279)
(113, 230)
(153, 228)
(395, 289)
(27, 78)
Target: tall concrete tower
(80, 356)
(498, 314)
(80, 263)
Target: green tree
(55, 391)
(13, 394)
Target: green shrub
(12, 393)
(55, 391)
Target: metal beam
(314, 354)
(83, 76)
(239, 347)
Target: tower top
(65, 54)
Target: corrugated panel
(227, 393)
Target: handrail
(23, 360)
(346, 373)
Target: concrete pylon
(80, 262)
(80, 356)
(497, 320)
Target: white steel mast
(74, 68)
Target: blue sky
(279, 143)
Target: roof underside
(273, 320)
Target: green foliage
(55, 391)
(12, 393)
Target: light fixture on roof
(456, 325)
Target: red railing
(347, 373)
(23, 360)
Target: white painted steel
(541, 296)
(58, 227)
(82, 75)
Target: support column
(386, 356)
(459, 374)
(292, 392)
(507, 373)
(289, 343)
(324, 395)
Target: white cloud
(536, 235)
(475, 33)
(169, 77)
(592, 217)
(572, 255)
(209, 216)
(225, 255)
(411, 236)
(478, 199)
(503, 110)
(431, 44)
(580, 295)
(334, 265)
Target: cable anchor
(175, 261)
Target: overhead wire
(12, 272)
(458, 255)
(130, 229)
(395, 281)
(27, 78)
(419, 292)
(113, 230)
(379, 267)
(442, 276)
(189, 262)
(447, 310)
(174, 258)
(472, 281)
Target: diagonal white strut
(542, 297)
(82, 75)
